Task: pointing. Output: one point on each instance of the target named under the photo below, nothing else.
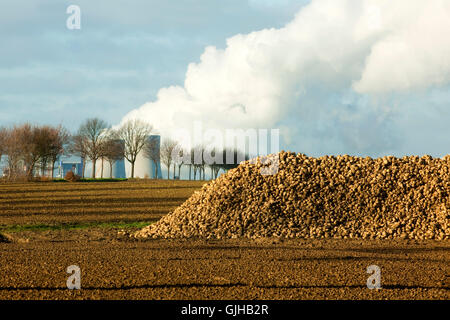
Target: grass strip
(73, 226)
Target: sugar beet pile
(327, 197)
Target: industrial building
(66, 164)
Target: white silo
(118, 167)
(98, 169)
(142, 167)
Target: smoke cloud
(336, 79)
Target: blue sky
(358, 77)
(123, 54)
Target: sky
(359, 77)
(123, 54)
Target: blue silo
(118, 169)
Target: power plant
(103, 167)
(144, 167)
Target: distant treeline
(32, 150)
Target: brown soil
(33, 263)
(59, 203)
(117, 268)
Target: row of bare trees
(197, 159)
(96, 140)
(31, 149)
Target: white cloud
(413, 50)
(262, 79)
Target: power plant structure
(144, 167)
(103, 167)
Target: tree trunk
(102, 169)
(190, 167)
(43, 164)
(83, 163)
(168, 172)
(53, 169)
(30, 172)
(93, 168)
(111, 169)
(132, 170)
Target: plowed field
(50, 226)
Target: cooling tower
(98, 169)
(118, 168)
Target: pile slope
(327, 197)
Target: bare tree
(93, 133)
(167, 154)
(43, 143)
(102, 156)
(77, 147)
(215, 165)
(202, 162)
(190, 162)
(21, 151)
(113, 152)
(3, 139)
(134, 134)
(30, 148)
(180, 160)
(13, 151)
(29, 143)
(197, 161)
(58, 142)
(152, 152)
(3, 135)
